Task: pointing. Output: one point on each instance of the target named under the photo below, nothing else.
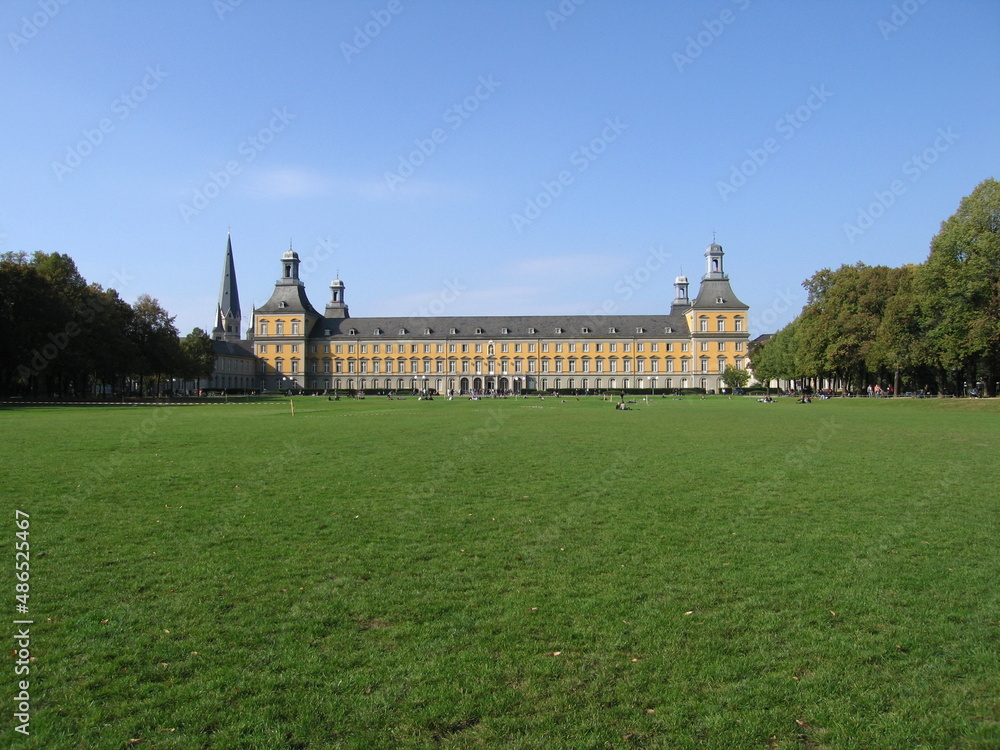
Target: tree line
(932, 327)
(60, 336)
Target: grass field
(517, 574)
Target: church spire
(227, 314)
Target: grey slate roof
(243, 349)
(294, 297)
(517, 326)
(714, 289)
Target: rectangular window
(312, 348)
(704, 346)
(722, 346)
(326, 348)
(364, 348)
(504, 348)
(263, 348)
(685, 346)
(586, 347)
(339, 349)
(531, 348)
(639, 347)
(278, 348)
(517, 348)
(295, 348)
(558, 347)
(439, 348)
(517, 365)
(685, 365)
(626, 347)
(654, 347)
(295, 365)
(465, 365)
(427, 348)
(388, 348)
(721, 325)
(326, 365)
(545, 348)
(452, 348)
(465, 348)
(479, 348)
(414, 348)
(572, 347)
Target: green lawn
(517, 573)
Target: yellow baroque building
(299, 348)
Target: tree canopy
(935, 325)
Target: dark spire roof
(229, 296)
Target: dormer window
(479, 331)
(352, 332)
(585, 330)
(612, 329)
(326, 331)
(640, 329)
(454, 331)
(719, 301)
(282, 304)
(558, 329)
(402, 331)
(378, 331)
(427, 332)
(504, 330)
(669, 329)
(531, 330)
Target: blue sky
(472, 157)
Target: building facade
(297, 347)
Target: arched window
(263, 328)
